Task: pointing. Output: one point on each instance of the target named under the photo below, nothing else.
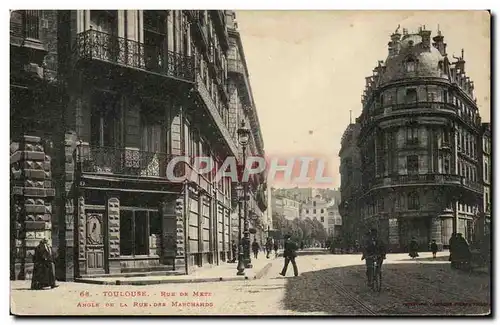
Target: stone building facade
(242, 107)
(102, 102)
(288, 208)
(419, 144)
(350, 184)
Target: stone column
(113, 245)
(32, 197)
(435, 231)
(82, 235)
(173, 252)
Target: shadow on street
(407, 288)
(439, 258)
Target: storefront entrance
(140, 232)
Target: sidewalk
(222, 272)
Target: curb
(259, 275)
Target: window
(445, 96)
(446, 167)
(411, 95)
(322, 219)
(140, 232)
(314, 203)
(413, 201)
(410, 65)
(307, 211)
(25, 24)
(103, 120)
(322, 211)
(486, 171)
(412, 135)
(446, 137)
(380, 205)
(412, 164)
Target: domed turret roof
(413, 60)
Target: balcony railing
(207, 99)
(235, 66)
(132, 162)
(123, 161)
(106, 47)
(426, 179)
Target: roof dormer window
(410, 65)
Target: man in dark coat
(452, 243)
(234, 251)
(290, 254)
(255, 248)
(413, 248)
(462, 252)
(434, 248)
(44, 267)
(269, 246)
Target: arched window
(410, 64)
(413, 201)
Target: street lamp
(241, 266)
(243, 138)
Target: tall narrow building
(419, 135)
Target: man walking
(234, 250)
(255, 248)
(269, 246)
(276, 247)
(290, 254)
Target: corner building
(420, 144)
(101, 102)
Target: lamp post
(243, 138)
(240, 267)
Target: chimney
(396, 45)
(368, 81)
(439, 43)
(426, 38)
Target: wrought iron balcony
(124, 161)
(438, 179)
(210, 105)
(95, 45)
(235, 66)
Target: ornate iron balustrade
(235, 66)
(221, 125)
(106, 47)
(125, 161)
(416, 179)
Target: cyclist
(373, 250)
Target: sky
(307, 69)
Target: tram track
(357, 302)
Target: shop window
(140, 232)
(322, 219)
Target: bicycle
(376, 284)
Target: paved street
(328, 284)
